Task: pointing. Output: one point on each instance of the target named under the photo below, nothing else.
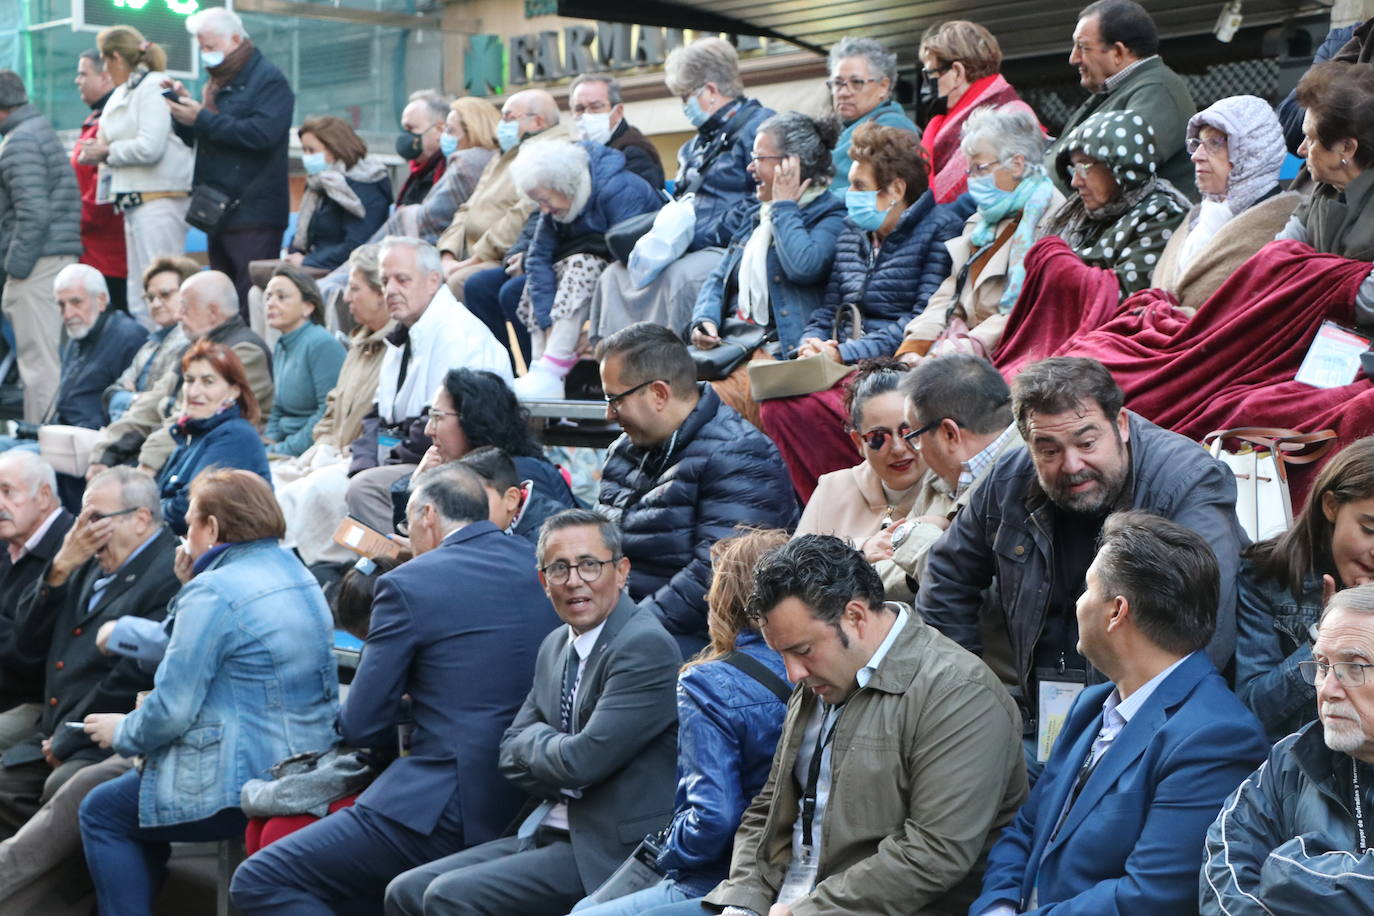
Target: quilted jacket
(675, 500)
(40, 208)
(892, 284)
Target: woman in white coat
(145, 169)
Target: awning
(1025, 28)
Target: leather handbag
(738, 341)
(621, 238)
(848, 324)
(788, 378)
(209, 208)
(67, 448)
(1263, 504)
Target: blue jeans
(662, 893)
(128, 862)
(692, 907)
(493, 297)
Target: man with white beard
(101, 342)
(1295, 837)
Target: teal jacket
(306, 364)
(888, 114)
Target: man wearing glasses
(594, 745)
(1115, 824)
(1116, 52)
(688, 471)
(1295, 837)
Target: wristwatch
(903, 532)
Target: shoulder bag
(1263, 504)
(738, 341)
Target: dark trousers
(128, 862)
(119, 292)
(493, 297)
(493, 879)
(339, 864)
(232, 251)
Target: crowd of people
(907, 586)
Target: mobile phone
(171, 95)
(76, 726)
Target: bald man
(209, 308)
(489, 222)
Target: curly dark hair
(823, 572)
(875, 376)
(489, 414)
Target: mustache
(5, 516)
(1083, 476)
(1340, 709)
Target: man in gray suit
(595, 744)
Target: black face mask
(408, 145)
(928, 97)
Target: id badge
(800, 879)
(104, 181)
(385, 444)
(1057, 691)
(405, 732)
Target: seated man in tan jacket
(490, 220)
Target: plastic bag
(673, 229)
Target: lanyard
(813, 777)
(1359, 805)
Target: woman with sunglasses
(864, 501)
(959, 61)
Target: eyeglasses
(1349, 674)
(592, 108)
(936, 73)
(978, 171)
(1214, 145)
(853, 85)
(876, 437)
(613, 400)
(165, 295)
(755, 158)
(436, 415)
(588, 570)
(508, 116)
(1081, 169)
(99, 516)
(912, 438)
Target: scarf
(224, 74)
(943, 133)
(752, 304)
(1031, 199)
(332, 184)
(1211, 216)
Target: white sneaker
(540, 384)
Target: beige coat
(851, 503)
(356, 389)
(490, 220)
(927, 767)
(1232, 246)
(980, 299)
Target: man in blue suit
(1115, 825)
(458, 629)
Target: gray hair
(215, 289)
(611, 83)
(1358, 600)
(706, 60)
(36, 471)
(809, 140)
(85, 275)
(455, 491)
(137, 490)
(217, 21)
(881, 61)
(367, 260)
(426, 255)
(555, 166)
(580, 518)
(438, 104)
(12, 92)
(93, 55)
(1010, 132)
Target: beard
(1346, 734)
(78, 331)
(1088, 502)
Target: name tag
(800, 879)
(104, 181)
(1056, 696)
(385, 444)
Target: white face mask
(594, 126)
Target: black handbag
(738, 341)
(849, 323)
(621, 238)
(209, 208)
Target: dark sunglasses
(876, 438)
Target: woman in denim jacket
(248, 679)
(1283, 582)
(728, 727)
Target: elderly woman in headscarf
(1123, 213)
(1004, 148)
(1237, 149)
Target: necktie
(565, 703)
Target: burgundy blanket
(1061, 298)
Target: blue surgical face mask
(693, 110)
(448, 144)
(863, 209)
(508, 135)
(314, 163)
(212, 58)
(985, 192)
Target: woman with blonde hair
(147, 168)
(730, 704)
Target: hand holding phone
(171, 94)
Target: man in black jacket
(599, 116)
(32, 525)
(240, 132)
(116, 560)
(688, 471)
(101, 342)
